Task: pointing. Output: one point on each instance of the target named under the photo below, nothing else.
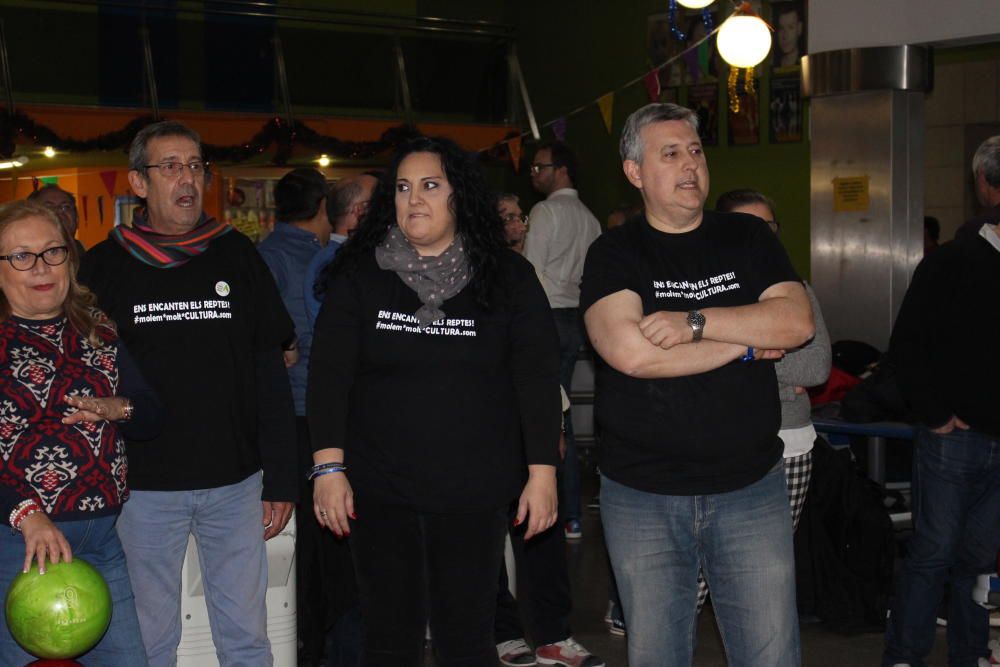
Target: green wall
(572, 53)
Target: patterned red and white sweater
(75, 471)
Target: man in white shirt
(560, 230)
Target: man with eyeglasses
(200, 312)
(560, 229)
(63, 204)
(515, 222)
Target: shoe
(617, 627)
(607, 614)
(574, 529)
(595, 503)
(516, 653)
(567, 653)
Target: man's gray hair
(987, 161)
(343, 195)
(631, 147)
(50, 187)
(507, 196)
(137, 158)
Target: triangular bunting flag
(606, 104)
(109, 178)
(50, 180)
(559, 128)
(652, 81)
(514, 145)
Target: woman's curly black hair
(472, 202)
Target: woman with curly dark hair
(433, 402)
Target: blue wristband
(748, 356)
(319, 473)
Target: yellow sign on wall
(850, 193)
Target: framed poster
(704, 101)
(789, 39)
(785, 107)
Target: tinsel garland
(276, 131)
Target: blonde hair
(80, 306)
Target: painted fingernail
(354, 516)
(517, 521)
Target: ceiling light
(744, 39)
(323, 161)
(49, 151)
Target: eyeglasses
(175, 169)
(515, 217)
(26, 260)
(537, 167)
(64, 208)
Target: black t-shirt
(203, 334)
(444, 419)
(707, 433)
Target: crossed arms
(659, 345)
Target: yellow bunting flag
(606, 104)
(515, 152)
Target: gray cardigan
(805, 366)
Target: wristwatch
(696, 321)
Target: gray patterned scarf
(434, 279)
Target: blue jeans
(226, 523)
(956, 535)
(742, 540)
(570, 340)
(96, 542)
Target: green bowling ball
(60, 614)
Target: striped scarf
(165, 251)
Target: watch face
(695, 319)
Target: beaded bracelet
(326, 471)
(22, 511)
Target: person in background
(198, 308)
(346, 203)
(941, 347)
(70, 392)
(433, 402)
(800, 368)
(301, 231)
(541, 563)
(63, 204)
(515, 222)
(560, 229)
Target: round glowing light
(323, 161)
(744, 41)
(49, 151)
(695, 4)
